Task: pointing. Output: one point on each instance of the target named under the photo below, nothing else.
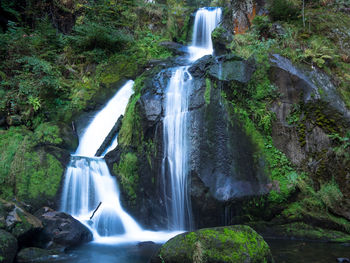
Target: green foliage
(27, 173)
(283, 9)
(47, 133)
(319, 52)
(91, 35)
(127, 169)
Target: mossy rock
(221, 244)
(34, 254)
(300, 231)
(8, 247)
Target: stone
(62, 229)
(151, 106)
(175, 48)
(8, 247)
(221, 38)
(238, 244)
(19, 222)
(233, 68)
(34, 254)
(110, 137)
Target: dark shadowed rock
(221, 38)
(233, 68)
(151, 106)
(35, 255)
(110, 137)
(343, 260)
(236, 244)
(62, 229)
(19, 222)
(313, 84)
(8, 247)
(175, 48)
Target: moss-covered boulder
(8, 247)
(19, 222)
(221, 244)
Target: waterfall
(175, 148)
(206, 20)
(89, 182)
(175, 128)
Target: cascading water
(89, 182)
(206, 20)
(175, 161)
(175, 148)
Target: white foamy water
(206, 20)
(175, 161)
(103, 122)
(175, 128)
(88, 183)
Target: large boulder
(221, 244)
(19, 222)
(61, 229)
(8, 247)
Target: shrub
(283, 9)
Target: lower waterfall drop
(89, 183)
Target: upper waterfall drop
(175, 129)
(206, 20)
(103, 122)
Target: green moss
(47, 133)
(27, 173)
(127, 169)
(207, 91)
(226, 244)
(130, 133)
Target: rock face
(61, 229)
(8, 247)
(309, 98)
(221, 163)
(222, 244)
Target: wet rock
(221, 244)
(35, 255)
(200, 67)
(313, 84)
(8, 247)
(233, 68)
(19, 222)
(277, 30)
(221, 38)
(62, 229)
(224, 68)
(151, 106)
(110, 137)
(175, 48)
(343, 260)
